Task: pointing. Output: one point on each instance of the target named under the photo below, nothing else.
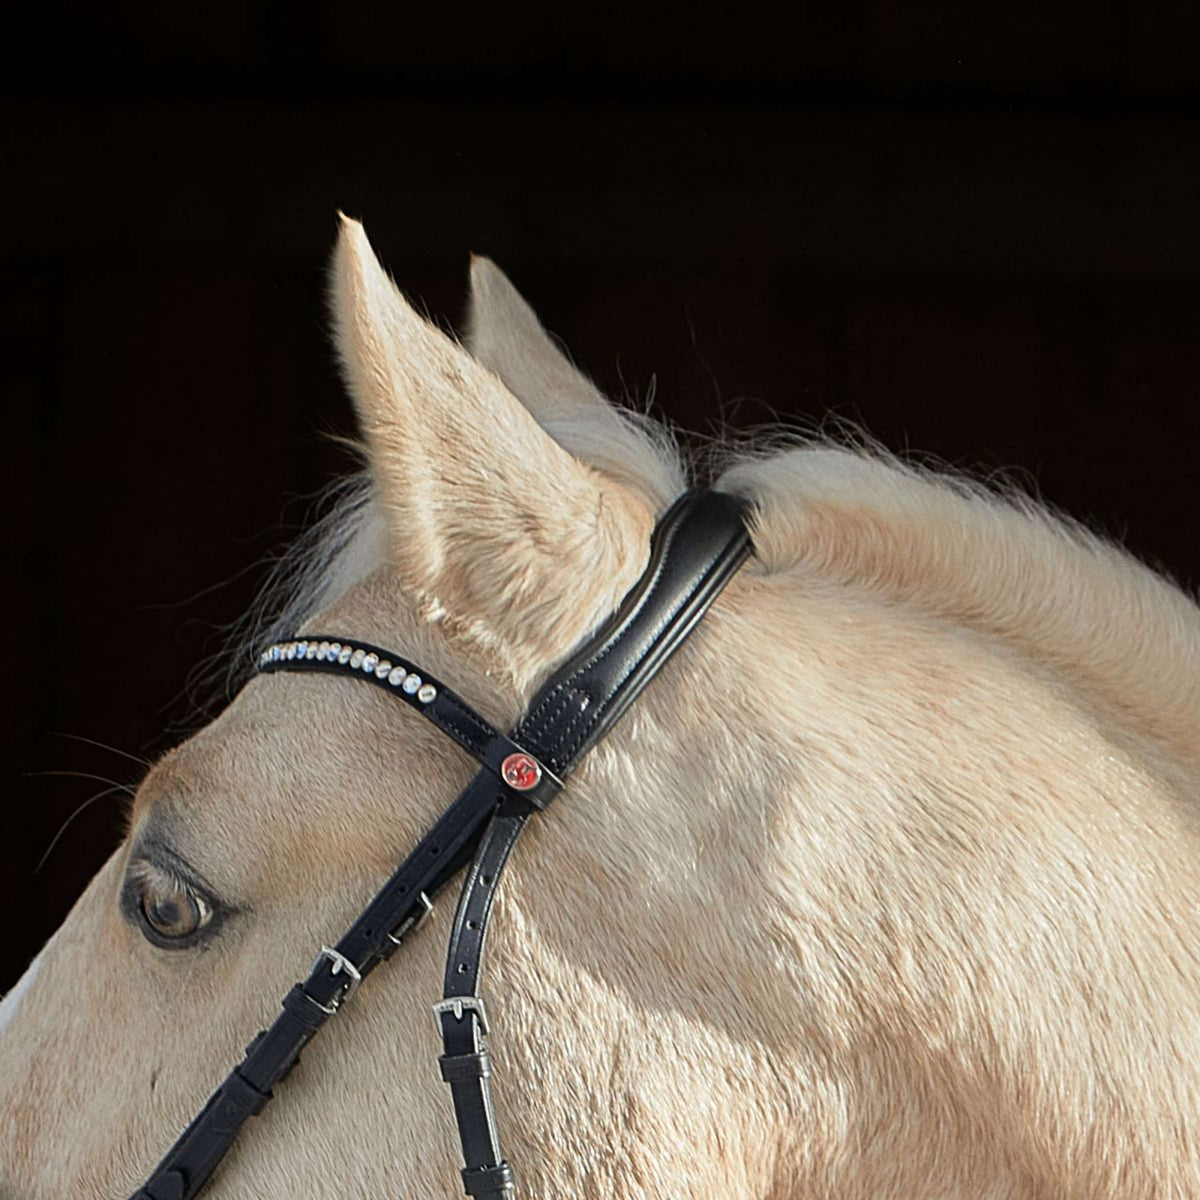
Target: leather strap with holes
(695, 550)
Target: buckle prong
(413, 923)
(341, 965)
(458, 1005)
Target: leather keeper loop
(484, 1181)
(166, 1187)
(462, 1068)
(238, 1090)
(304, 1008)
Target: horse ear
(505, 335)
(489, 518)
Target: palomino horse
(886, 889)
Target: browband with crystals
(431, 698)
(696, 549)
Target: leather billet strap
(695, 549)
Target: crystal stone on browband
(357, 658)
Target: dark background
(974, 229)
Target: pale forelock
(344, 544)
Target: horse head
(886, 886)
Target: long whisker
(128, 789)
(120, 787)
(75, 737)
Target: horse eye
(169, 908)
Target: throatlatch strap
(696, 548)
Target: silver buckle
(457, 1005)
(412, 924)
(341, 965)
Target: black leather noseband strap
(695, 550)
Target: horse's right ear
(492, 523)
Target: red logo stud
(520, 772)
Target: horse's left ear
(505, 335)
(489, 518)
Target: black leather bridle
(695, 550)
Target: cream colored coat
(886, 890)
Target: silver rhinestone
(301, 649)
(276, 652)
(412, 684)
(344, 654)
(396, 676)
(427, 693)
(334, 650)
(382, 670)
(311, 652)
(370, 663)
(291, 651)
(356, 658)
(323, 651)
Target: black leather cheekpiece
(695, 550)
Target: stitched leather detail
(699, 544)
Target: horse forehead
(241, 756)
(282, 769)
(274, 720)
